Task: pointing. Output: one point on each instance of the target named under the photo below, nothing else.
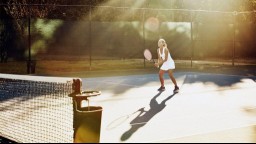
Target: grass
(55, 67)
(83, 68)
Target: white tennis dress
(169, 64)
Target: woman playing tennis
(167, 64)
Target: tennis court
(208, 108)
(51, 53)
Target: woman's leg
(172, 77)
(161, 77)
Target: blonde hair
(161, 41)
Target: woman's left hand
(156, 65)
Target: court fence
(95, 32)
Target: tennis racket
(148, 56)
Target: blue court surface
(208, 108)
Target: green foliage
(80, 9)
(15, 13)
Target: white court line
(216, 90)
(196, 134)
(203, 73)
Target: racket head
(147, 54)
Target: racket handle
(155, 62)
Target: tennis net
(37, 109)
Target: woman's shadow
(144, 116)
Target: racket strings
(147, 55)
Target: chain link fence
(97, 36)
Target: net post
(77, 89)
(77, 86)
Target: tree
(14, 18)
(23, 9)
